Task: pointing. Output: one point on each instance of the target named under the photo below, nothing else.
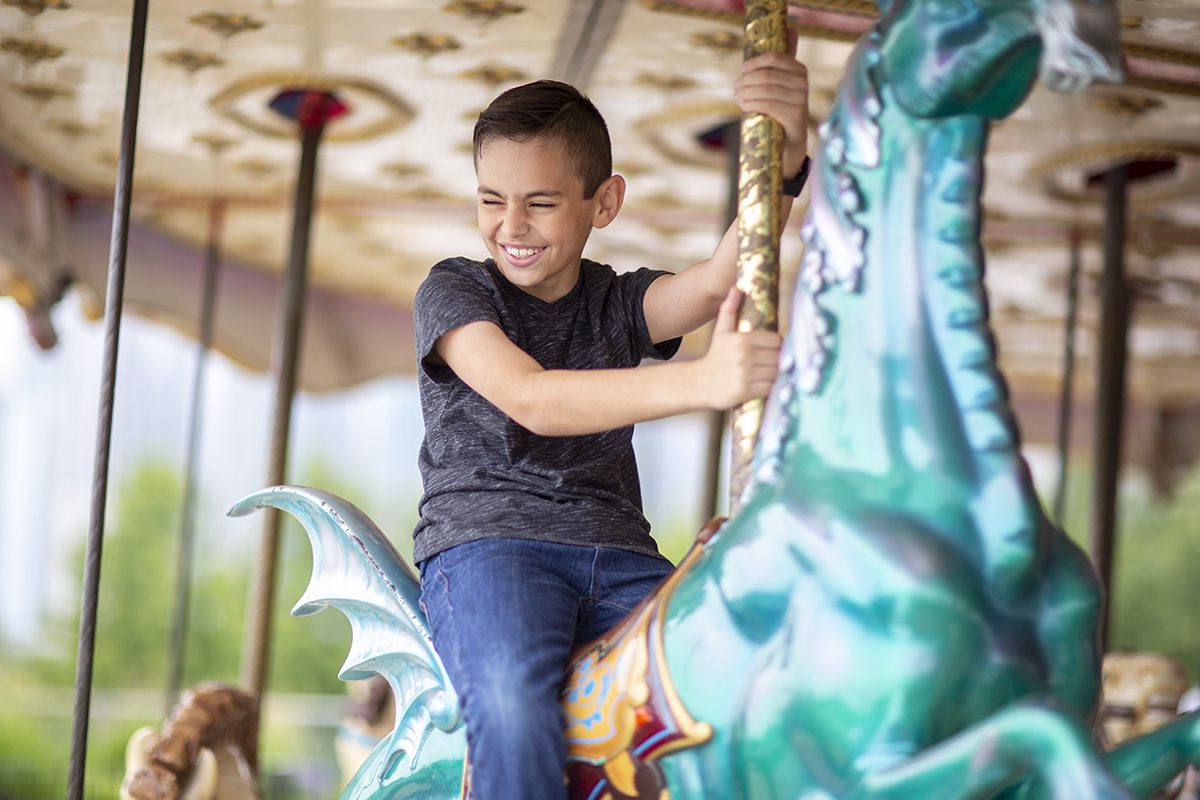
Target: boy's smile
(533, 216)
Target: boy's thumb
(727, 314)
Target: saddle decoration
(621, 707)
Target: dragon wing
(358, 571)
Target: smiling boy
(531, 539)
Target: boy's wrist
(794, 156)
(689, 385)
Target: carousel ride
(889, 614)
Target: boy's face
(533, 217)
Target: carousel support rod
(759, 202)
(315, 109)
(716, 421)
(114, 302)
(1068, 377)
(187, 522)
(1110, 384)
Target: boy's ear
(610, 196)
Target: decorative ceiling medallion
(256, 167)
(377, 110)
(35, 7)
(31, 51)
(1064, 175)
(719, 41)
(427, 45)
(426, 194)
(1126, 104)
(483, 10)
(70, 128)
(666, 82)
(226, 25)
(672, 132)
(631, 169)
(192, 60)
(401, 169)
(663, 200)
(493, 75)
(216, 142)
(41, 92)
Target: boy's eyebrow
(528, 195)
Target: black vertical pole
(187, 522)
(1068, 377)
(114, 302)
(1110, 384)
(255, 655)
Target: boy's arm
(736, 368)
(774, 84)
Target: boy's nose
(515, 221)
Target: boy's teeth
(521, 252)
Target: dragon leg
(1146, 763)
(1021, 742)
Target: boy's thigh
(500, 607)
(621, 580)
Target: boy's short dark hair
(553, 111)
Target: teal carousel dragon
(890, 615)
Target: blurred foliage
(137, 597)
(1156, 565)
(1155, 597)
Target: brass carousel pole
(114, 303)
(759, 186)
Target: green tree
(1156, 561)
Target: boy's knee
(505, 712)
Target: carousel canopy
(396, 188)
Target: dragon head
(951, 57)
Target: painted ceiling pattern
(396, 188)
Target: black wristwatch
(793, 186)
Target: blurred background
(215, 172)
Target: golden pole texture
(760, 182)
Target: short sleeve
(448, 299)
(631, 288)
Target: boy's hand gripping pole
(760, 184)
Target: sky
(368, 436)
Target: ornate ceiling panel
(396, 182)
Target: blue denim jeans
(506, 614)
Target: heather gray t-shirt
(484, 474)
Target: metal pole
(187, 522)
(759, 202)
(1068, 377)
(1110, 384)
(122, 199)
(255, 656)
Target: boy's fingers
(780, 62)
(727, 314)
